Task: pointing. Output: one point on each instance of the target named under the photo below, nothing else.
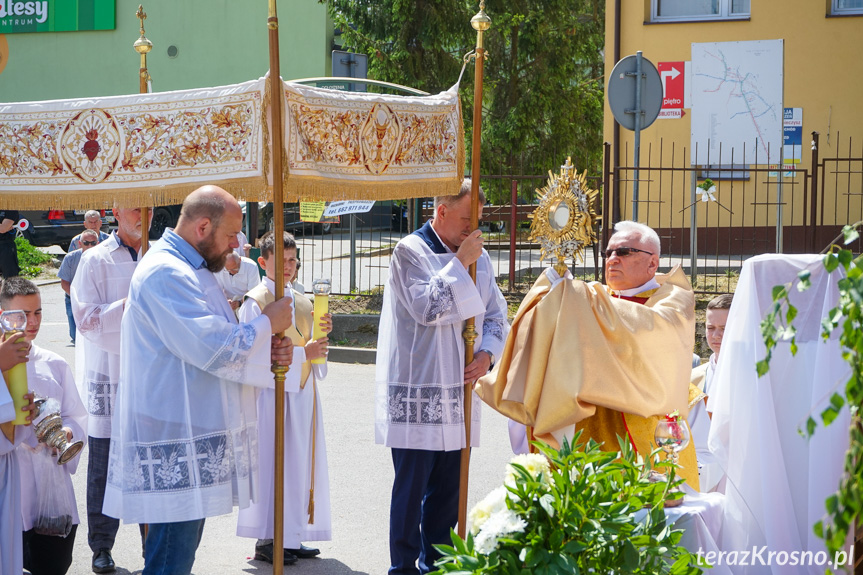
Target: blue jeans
(170, 547)
(70, 317)
(423, 509)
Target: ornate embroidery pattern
(425, 405)
(194, 136)
(493, 327)
(90, 145)
(172, 466)
(30, 148)
(227, 363)
(441, 300)
(363, 137)
(101, 398)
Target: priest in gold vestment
(607, 360)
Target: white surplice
(419, 375)
(184, 442)
(777, 481)
(11, 544)
(300, 407)
(710, 473)
(48, 375)
(98, 290)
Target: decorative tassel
(311, 505)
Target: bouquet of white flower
(573, 511)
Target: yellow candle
(322, 306)
(16, 380)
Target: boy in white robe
(710, 472)
(49, 376)
(306, 486)
(11, 557)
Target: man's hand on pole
(470, 249)
(280, 314)
(282, 351)
(478, 367)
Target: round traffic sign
(621, 92)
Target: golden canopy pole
(480, 22)
(142, 45)
(276, 97)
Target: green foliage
(845, 506)
(590, 511)
(543, 83)
(29, 258)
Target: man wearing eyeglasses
(92, 221)
(66, 273)
(606, 360)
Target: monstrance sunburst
(563, 222)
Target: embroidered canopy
(153, 149)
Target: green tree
(543, 89)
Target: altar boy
(49, 376)
(307, 491)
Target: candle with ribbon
(321, 289)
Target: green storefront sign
(18, 16)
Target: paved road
(360, 478)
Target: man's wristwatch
(491, 356)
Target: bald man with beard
(186, 420)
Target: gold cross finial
(141, 15)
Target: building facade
(724, 89)
(196, 44)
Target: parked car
(163, 217)
(50, 227)
(292, 219)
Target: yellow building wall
(823, 75)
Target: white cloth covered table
(777, 479)
(700, 518)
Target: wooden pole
(276, 96)
(480, 23)
(143, 46)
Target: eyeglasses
(83, 243)
(623, 252)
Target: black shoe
(103, 562)
(304, 552)
(265, 553)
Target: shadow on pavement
(322, 566)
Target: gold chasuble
(300, 331)
(577, 356)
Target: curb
(362, 355)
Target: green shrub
(30, 259)
(578, 511)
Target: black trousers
(48, 554)
(424, 507)
(8, 259)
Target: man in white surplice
(421, 373)
(184, 438)
(98, 294)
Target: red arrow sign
(672, 84)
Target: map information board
(737, 102)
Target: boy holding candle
(306, 493)
(48, 375)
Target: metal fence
(757, 209)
